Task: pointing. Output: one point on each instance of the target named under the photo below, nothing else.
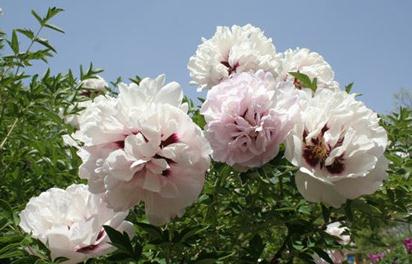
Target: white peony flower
(231, 50)
(91, 87)
(337, 229)
(248, 116)
(94, 84)
(73, 119)
(307, 62)
(338, 147)
(338, 256)
(70, 222)
(142, 146)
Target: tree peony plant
(70, 222)
(338, 147)
(284, 138)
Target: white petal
(120, 165)
(314, 190)
(368, 184)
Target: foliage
(248, 217)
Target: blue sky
(368, 41)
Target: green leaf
(38, 18)
(189, 233)
(314, 84)
(14, 42)
(45, 43)
(304, 81)
(26, 32)
(136, 79)
(364, 207)
(51, 12)
(325, 213)
(120, 241)
(256, 246)
(55, 28)
(348, 88)
(154, 231)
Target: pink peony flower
(247, 117)
(376, 257)
(142, 146)
(407, 242)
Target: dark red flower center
(87, 249)
(230, 69)
(297, 84)
(317, 151)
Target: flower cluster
(258, 102)
(142, 146)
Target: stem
(168, 253)
(9, 133)
(281, 185)
(29, 47)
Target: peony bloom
(70, 222)
(336, 229)
(376, 257)
(90, 88)
(338, 147)
(231, 50)
(142, 146)
(73, 119)
(94, 84)
(407, 242)
(307, 62)
(247, 117)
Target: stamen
(230, 69)
(317, 151)
(166, 173)
(173, 138)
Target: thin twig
(9, 133)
